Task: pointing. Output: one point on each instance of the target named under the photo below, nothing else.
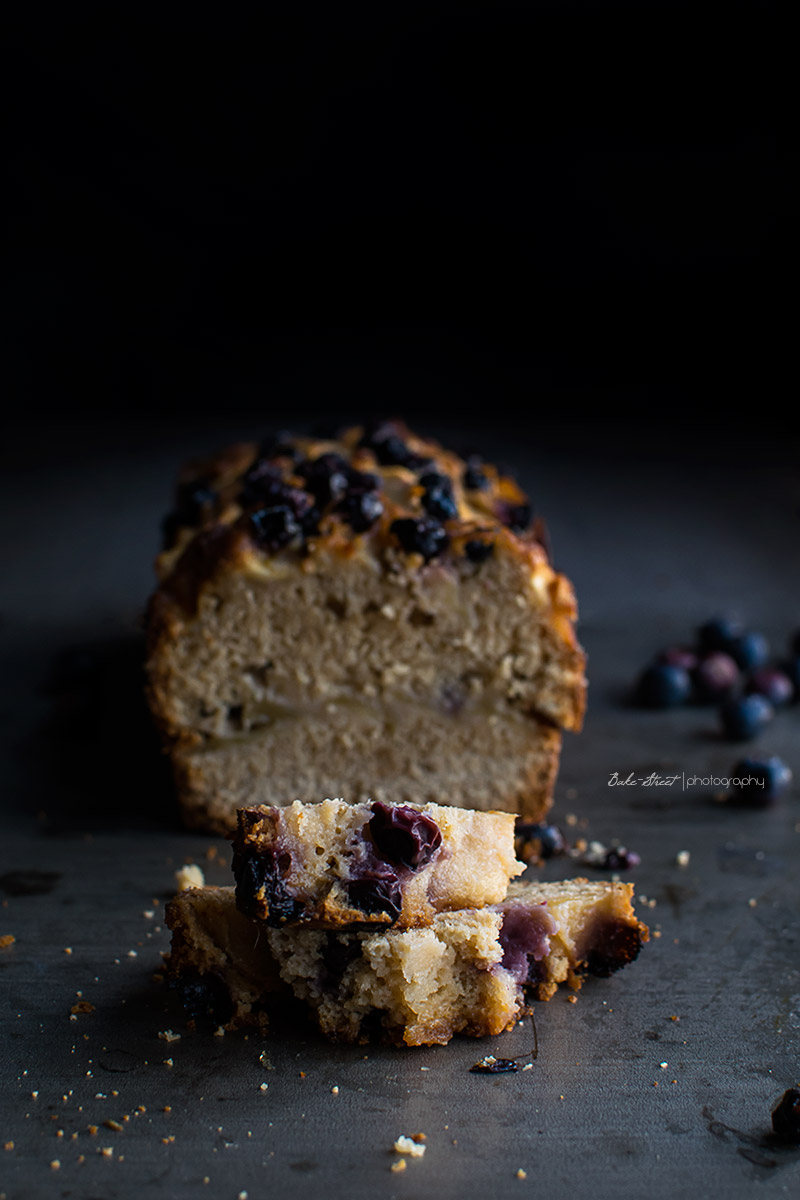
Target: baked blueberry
(775, 685)
(745, 717)
(544, 840)
(516, 516)
(718, 633)
(786, 1116)
(478, 551)
(361, 509)
(762, 780)
(751, 650)
(438, 499)
(663, 686)
(475, 478)
(420, 536)
(259, 879)
(619, 858)
(377, 892)
(273, 528)
(403, 836)
(715, 677)
(326, 478)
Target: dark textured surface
(90, 840)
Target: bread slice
(336, 864)
(470, 971)
(368, 616)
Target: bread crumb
(398, 1165)
(168, 1035)
(107, 1151)
(83, 1006)
(219, 1031)
(752, 902)
(8, 1145)
(522, 1174)
(68, 949)
(55, 1165)
(682, 858)
(242, 1195)
(262, 1087)
(190, 876)
(92, 1129)
(407, 1145)
(334, 1090)
(113, 1125)
(168, 1062)
(663, 1066)
(572, 999)
(6, 940)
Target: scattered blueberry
(751, 650)
(477, 551)
(420, 536)
(404, 836)
(786, 1116)
(663, 686)
(273, 528)
(259, 882)
(745, 717)
(767, 779)
(618, 858)
(377, 893)
(714, 677)
(678, 656)
(361, 510)
(438, 499)
(718, 633)
(543, 840)
(494, 1066)
(775, 685)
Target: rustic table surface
(657, 1082)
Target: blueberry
(326, 477)
(544, 840)
(337, 955)
(516, 516)
(420, 536)
(273, 528)
(194, 501)
(618, 858)
(263, 485)
(279, 445)
(361, 510)
(377, 893)
(438, 500)
(362, 481)
(786, 1116)
(260, 886)
(718, 633)
(714, 677)
(477, 551)
(678, 656)
(494, 1066)
(662, 686)
(751, 650)
(204, 996)
(382, 439)
(763, 779)
(475, 478)
(775, 685)
(404, 836)
(745, 717)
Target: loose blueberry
(773, 684)
(786, 1116)
(404, 836)
(273, 528)
(544, 840)
(678, 656)
(259, 884)
(489, 1065)
(477, 551)
(618, 858)
(762, 780)
(745, 717)
(361, 510)
(751, 650)
(420, 536)
(377, 893)
(662, 686)
(718, 633)
(337, 955)
(715, 677)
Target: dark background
(556, 217)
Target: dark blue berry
(745, 717)
(361, 510)
(475, 478)
(204, 997)
(775, 685)
(516, 516)
(326, 478)
(337, 955)
(377, 892)
(662, 686)
(438, 499)
(261, 481)
(273, 528)
(494, 1066)
(420, 536)
(403, 836)
(751, 650)
(260, 889)
(715, 677)
(362, 481)
(618, 858)
(477, 551)
(761, 779)
(786, 1116)
(718, 633)
(544, 840)
(678, 656)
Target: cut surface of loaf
(367, 615)
(468, 972)
(337, 864)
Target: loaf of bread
(365, 615)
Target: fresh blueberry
(762, 779)
(420, 536)
(715, 677)
(678, 656)
(361, 510)
(477, 551)
(786, 1116)
(273, 528)
(259, 883)
(377, 892)
(326, 478)
(718, 633)
(745, 717)
(775, 685)
(662, 686)
(403, 836)
(751, 650)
